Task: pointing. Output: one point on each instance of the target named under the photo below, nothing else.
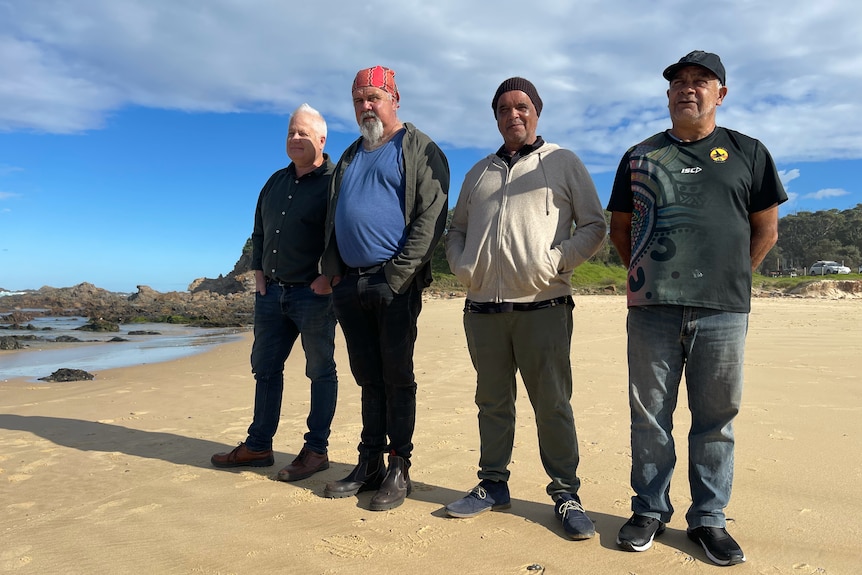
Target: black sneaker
(638, 532)
(718, 545)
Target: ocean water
(95, 352)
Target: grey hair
(319, 122)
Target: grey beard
(372, 131)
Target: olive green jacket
(426, 203)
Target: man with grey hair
(387, 211)
(292, 299)
(694, 211)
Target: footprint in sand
(417, 543)
(345, 546)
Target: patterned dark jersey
(690, 204)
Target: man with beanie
(694, 211)
(511, 244)
(387, 211)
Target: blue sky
(135, 135)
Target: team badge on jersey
(718, 155)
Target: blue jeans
(280, 316)
(379, 327)
(665, 341)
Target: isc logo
(691, 170)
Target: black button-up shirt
(288, 235)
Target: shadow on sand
(182, 450)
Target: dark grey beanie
(521, 84)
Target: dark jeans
(280, 316)
(379, 326)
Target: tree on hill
(805, 237)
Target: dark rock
(117, 338)
(18, 317)
(9, 342)
(66, 339)
(220, 285)
(67, 374)
(99, 325)
(144, 332)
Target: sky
(135, 135)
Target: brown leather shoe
(243, 456)
(306, 464)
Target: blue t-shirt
(369, 221)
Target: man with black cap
(387, 212)
(694, 211)
(511, 244)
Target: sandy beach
(113, 476)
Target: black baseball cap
(700, 58)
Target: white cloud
(5, 169)
(826, 194)
(7, 195)
(787, 176)
(794, 69)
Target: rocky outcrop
(225, 301)
(201, 308)
(224, 285)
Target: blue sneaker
(576, 524)
(493, 495)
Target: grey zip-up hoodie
(511, 236)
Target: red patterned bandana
(377, 77)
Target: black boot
(367, 475)
(395, 488)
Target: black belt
(277, 281)
(365, 271)
(507, 306)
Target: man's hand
(321, 286)
(259, 282)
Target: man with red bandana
(387, 211)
